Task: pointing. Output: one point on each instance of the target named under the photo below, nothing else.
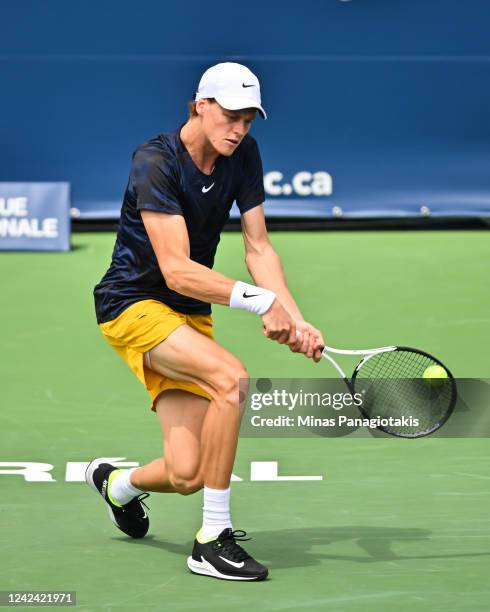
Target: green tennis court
(393, 524)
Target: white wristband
(251, 298)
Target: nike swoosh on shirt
(252, 85)
(206, 189)
(232, 562)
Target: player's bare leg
(188, 355)
(181, 416)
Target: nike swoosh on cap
(252, 85)
(232, 562)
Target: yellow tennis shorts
(141, 327)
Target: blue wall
(390, 98)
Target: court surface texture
(392, 525)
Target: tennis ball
(434, 373)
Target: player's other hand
(279, 325)
(309, 341)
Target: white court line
(480, 476)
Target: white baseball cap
(232, 85)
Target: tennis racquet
(395, 392)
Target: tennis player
(153, 307)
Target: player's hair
(191, 107)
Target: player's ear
(199, 106)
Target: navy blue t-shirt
(164, 178)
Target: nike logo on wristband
(245, 295)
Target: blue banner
(34, 216)
(373, 111)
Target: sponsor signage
(34, 216)
(302, 184)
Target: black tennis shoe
(225, 559)
(131, 518)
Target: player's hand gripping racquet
(403, 383)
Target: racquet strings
(392, 386)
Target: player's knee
(192, 486)
(187, 487)
(187, 481)
(232, 380)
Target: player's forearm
(194, 280)
(266, 269)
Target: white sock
(120, 488)
(216, 513)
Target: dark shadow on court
(307, 547)
(156, 542)
(79, 247)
